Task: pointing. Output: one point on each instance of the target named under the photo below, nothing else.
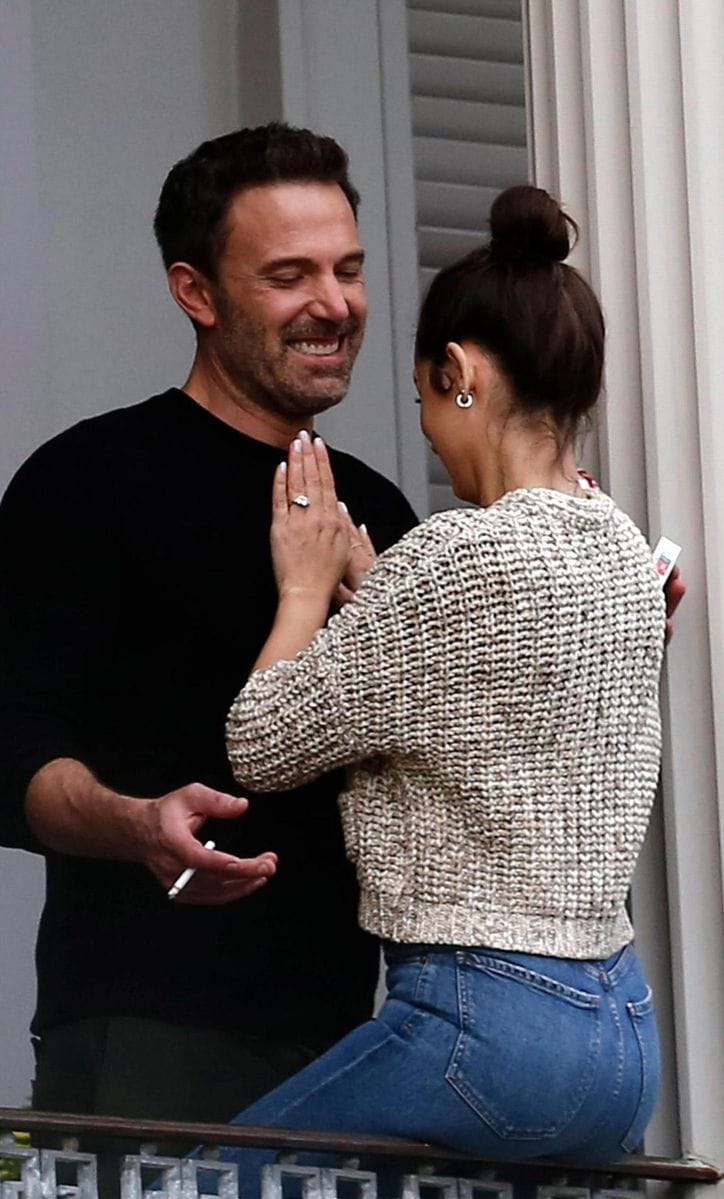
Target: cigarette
(186, 875)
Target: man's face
(290, 297)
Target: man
(137, 589)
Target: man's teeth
(317, 347)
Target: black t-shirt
(135, 594)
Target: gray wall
(97, 101)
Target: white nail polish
(297, 445)
(342, 506)
(283, 467)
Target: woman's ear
(459, 367)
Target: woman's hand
(362, 555)
(310, 534)
(310, 538)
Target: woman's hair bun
(529, 226)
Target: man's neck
(239, 411)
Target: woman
(493, 690)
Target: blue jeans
(498, 1054)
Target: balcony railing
(425, 1171)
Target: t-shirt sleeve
(50, 630)
(343, 699)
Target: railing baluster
(141, 1172)
(444, 1187)
(28, 1160)
(364, 1181)
(82, 1165)
(273, 1177)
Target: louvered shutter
(468, 116)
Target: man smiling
(287, 307)
(137, 590)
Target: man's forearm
(69, 811)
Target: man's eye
(350, 274)
(285, 280)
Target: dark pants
(147, 1069)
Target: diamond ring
(301, 500)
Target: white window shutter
(469, 133)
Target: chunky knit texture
(493, 688)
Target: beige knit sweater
(493, 689)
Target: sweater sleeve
(343, 699)
(50, 630)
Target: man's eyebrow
(279, 264)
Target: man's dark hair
(190, 223)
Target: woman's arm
(321, 697)
(311, 546)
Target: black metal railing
(429, 1164)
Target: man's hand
(71, 812)
(171, 847)
(675, 590)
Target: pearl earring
(465, 399)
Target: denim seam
(620, 1055)
(533, 978)
(351, 1065)
(642, 1007)
(622, 966)
(637, 1011)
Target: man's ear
(193, 293)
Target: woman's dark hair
(190, 223)
(515, 298)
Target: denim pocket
(643, 1021)
(528, 1047)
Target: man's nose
(329, 302)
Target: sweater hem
(519, 932)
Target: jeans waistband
(608, 970)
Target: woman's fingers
(367, 541)
(326, 478)
(295, 471)
(280, 507)
(309, 474)
(312, 482)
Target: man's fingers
(212, 891)
(217, 861)
(208, 802)
(675, 590)
(221, 877)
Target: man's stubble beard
(262, 378)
